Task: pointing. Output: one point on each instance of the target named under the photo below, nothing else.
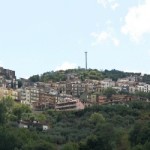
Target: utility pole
(86, 60)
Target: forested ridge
(85, 74)
(107, 127)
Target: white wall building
(106, 83)
(29, 95)
(143, 87)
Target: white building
(29, 95)
(143, 87)
(106, 83)
(132, 89)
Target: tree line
(107, 127)
(85, 74)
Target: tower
(86, 60)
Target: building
(132, 89)
(143, 87)
(93, 98)
(26, 83)
(102, 99)
(5, 92)
(75, 88)
(72, 76)
(9, 74)
(69, 104)
(106, 83)
(125, 88)
(33, 124)
(46, 100)
(29, 95)
(90, 87)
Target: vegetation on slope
(83, 74)
(107, 127)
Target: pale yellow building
(4, 92)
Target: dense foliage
(104, 127)
(83, 74)
(116, 74)
(107, 127)
(62, 75)
(146, 78)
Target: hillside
(83, 74)
(107, 127)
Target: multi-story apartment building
(69, 104)
(29, 95)
(47, 99)
(42, 85)
(143, 87)
(62, 87)
(90, 87)
(99, 88)
(5, 92)
(75, 88)
(68, 88)
(37, 98)
(132, 89)
(106, 83)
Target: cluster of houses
(33, 124)
(65, 95)
(8, 78)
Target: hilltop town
(74, 89)
(75, 109)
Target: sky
(37, 36)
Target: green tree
(19, 83)
(35, 78)
(3, 112)
(6, 105)
(20, 110)
(70, 146)
(39, 145)
(109, 92)
(140, 134)
(96, 118)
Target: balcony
(67, 106)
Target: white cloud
(103, 2)
(114, 6)
(105, 36)
(65, 66)
(108, 3)
(137, 21)
(100, 37)
(115, 41)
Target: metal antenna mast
(86, 60)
